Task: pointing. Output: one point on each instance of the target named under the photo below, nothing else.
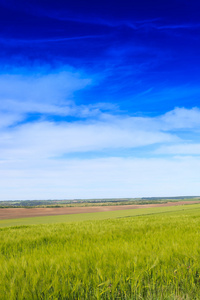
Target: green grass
(152, 256)
(94, 216)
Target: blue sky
(99, 99)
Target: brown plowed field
(14, 213)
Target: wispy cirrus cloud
(179, 26)
(67, 14)
(19, 41)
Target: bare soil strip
(15, 213)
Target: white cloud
(182, 149)
(29, 151)
(181, 118)
(108, 177)
(49, 139)
(48, 94)
(46, 88)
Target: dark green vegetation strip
(147, 257)
(92, 202)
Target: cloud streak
(15, 42)
(45, 139)
(55, 139)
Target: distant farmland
(38, 215)
(111, 255)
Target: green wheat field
(133, 254)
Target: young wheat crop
(143, 257)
